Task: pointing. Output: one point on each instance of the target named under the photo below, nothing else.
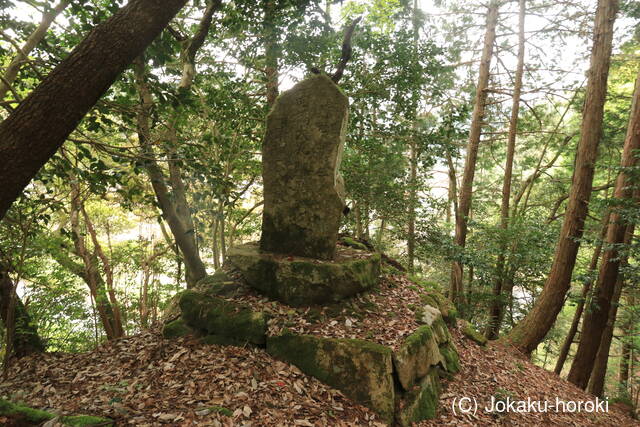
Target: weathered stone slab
(362, 370)
(301, 154)
(451, 358)
(216, 316)
(416, 356)
(421, 402)
(469, 331)
(302, 281)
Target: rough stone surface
(416, 356)
(301, 154)
(302, 281)
(212, 315)
(421, 402)
(450, 356)
(176, 328)
(446, 307)
(362, 370)
(470, 332)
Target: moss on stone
(354, 244)
(360, 369)
(421, 403)
(216, 316)
(23, 415)
(446, 307)
(176, 328)
(450, 356)
(302, 281)
(470, 332)
(416, 356)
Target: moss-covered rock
(450, 356)
(176, 328)
(362, 370)
(421, 402)
(416, 355)
(431, 316)
(446, 307)
(354, 243)
(302, 281)
(212, 315)
(25, 416)
(470, 332)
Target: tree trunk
(456, 292)
(24, 337)
(586, 288)
(22, 56)
(497, 304)
(184, 236)
(623, 375)
(534, 327)
(599, 370)
(42, 122)
(595, 319)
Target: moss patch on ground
(25, 416)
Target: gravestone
(301, 153)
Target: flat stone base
(298, 281)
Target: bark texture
(534, 327)
(595, 320)
(42, 122)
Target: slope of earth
(496, 372)
(146, 380)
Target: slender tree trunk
(42, 122)
(456, 292)
(625, 359)
(184, 236)
(497, 304)
(595, 319)
(24, 336)
(586, 288)
(599, 370)
(534, 327)
(22, 56)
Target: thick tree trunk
(534, 327)
(22, 56)
(456, 291)
(498, 304)
(586, 288)
(24, 337)
(42, 122)
(595, 319)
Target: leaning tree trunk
(595, 319)
(456, 292)
(534, 327)
(42, 122)
(25, 339)
(586, 288)
(498, 304)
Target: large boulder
(301, 154)
(302, 281)
(362, 370)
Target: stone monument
(301, 156)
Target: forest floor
(146, 380)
